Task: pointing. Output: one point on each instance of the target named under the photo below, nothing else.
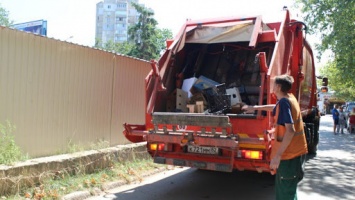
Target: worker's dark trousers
(289, 174)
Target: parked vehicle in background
(348, 109)
(322, 99)
(349, 106)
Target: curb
(86, 195)
(34, 170)
(77, 195)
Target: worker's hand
(248, 109)
(275, 162)
(272, 131)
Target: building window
(119, 19)
(122, 5)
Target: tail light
(250, 154)
(159, 146)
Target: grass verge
(61, 184)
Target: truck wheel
(312, 148)
(312, 139)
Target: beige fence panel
(128, 96)
(57, 93)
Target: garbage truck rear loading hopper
(195, 91)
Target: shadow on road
(196, 184)
(331, 172)
(329, 175)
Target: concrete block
(181, 100)
(235, 95)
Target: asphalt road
(330, 175)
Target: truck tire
(311, 137)
(307, 134)
(312, 130)
(312, 148)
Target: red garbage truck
(213, 67)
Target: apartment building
(113, 17)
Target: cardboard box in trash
(198, 102)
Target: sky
(74, 20)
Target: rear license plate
(202, 150)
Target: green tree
(333, 21)
(343, 89)
(4, 17)
(144, 34)
(162, 36)
(121, 48)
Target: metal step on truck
(213, 67)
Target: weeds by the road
(75, 147)
(9, 151)
(64, 183)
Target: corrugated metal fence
(57, 93)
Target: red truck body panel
(242, 53)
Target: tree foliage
(4, 17)
(344, 89)
(121, 48)
(144, 34)
(333, 21)
(162, 36)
